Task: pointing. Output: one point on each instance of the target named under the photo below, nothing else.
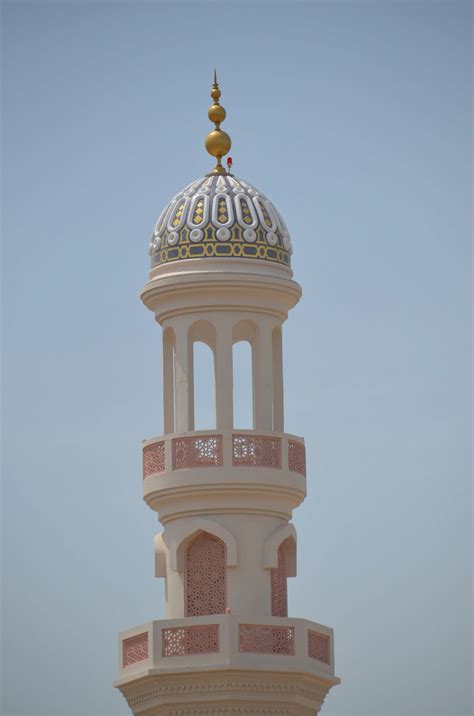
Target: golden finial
(218, 143)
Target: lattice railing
(134, 649)
(318, 646)
(264, 639)
(179, 641)
(154, 458)
(199, 451)
(256, 451)
(296, 457)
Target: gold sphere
(216, 113)
(215, 93)
(218, 143)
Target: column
(168, 380)
(278, 413)
(183, 376)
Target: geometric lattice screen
(279, 593)
(205, 576)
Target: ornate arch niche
(205, 589)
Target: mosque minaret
(221, 273)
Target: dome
(220, 216)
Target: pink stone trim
(256, 451)
(199, 451)
(134, 649)
(153, 458)
(297, 457)
(279, 589)
(179, 641)
(205, 576)
(264, 639)
(319, 646)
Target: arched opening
(279, 586)
(205, 576)
(204, 387)
(243, 385)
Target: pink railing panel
(199, 451)
(134, 649)
(153, 458)
(264, 639)
(256, 451)
(296, 457)
(318, 646)
(179, 641)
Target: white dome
(220, 216)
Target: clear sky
(355, 119)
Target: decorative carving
(199, 451)
(211, 204)
(202, 684)
(296, 457)
(279, 587)
(266, 639)
(179, 641)
(134, 649)
(154, 458)
(319, 646)
(205, 576)
(256, 451)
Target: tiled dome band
(220, 216)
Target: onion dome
(220, 215)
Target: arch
(181, 538)
(205, 589)
(279, 586)
(202, 342)
(203, 331)
(285, 535)
(244, 332)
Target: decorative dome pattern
(220, 216)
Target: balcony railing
(224, 637)
(237, 448)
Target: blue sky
(355, 119)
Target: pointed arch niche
(205, 589)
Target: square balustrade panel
(211, 664)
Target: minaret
(221, 257)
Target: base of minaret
(225, 664)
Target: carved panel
(256, 451)
(318, 646)
(279, 587)
(199, 451)
(297, 457)
(153, 458)
(179, 641)
(205, 576)
(265, 639)
(134, 649)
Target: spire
(218, 143)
